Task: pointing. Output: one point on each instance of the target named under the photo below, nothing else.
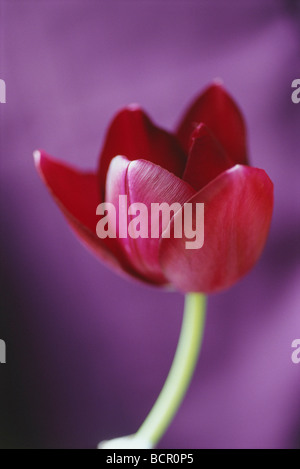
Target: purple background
(88, 351)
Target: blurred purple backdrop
(88, 351)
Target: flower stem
(181, 371)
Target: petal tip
(37, 157)
(130, 110)
(133, 107)
(235, 168)
(219, 82)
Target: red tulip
(205, 161)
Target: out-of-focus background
(87, 351)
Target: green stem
(181, 371)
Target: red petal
(207, 159)
(77, 194)
(146, 183)
(216, 109)
(133, 135)
(238, 208)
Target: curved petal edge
(77, 195)
(218, 111)
(238, 207)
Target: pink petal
(218, 111)
(238, 208)
(146, 183)
(133, 135)
(207, 159)
(77, 194)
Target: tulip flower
(204, 162)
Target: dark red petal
(218, 111)
(133, 135)
(238, 208)
(77, 194)
(145, 183)
(207, 159)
